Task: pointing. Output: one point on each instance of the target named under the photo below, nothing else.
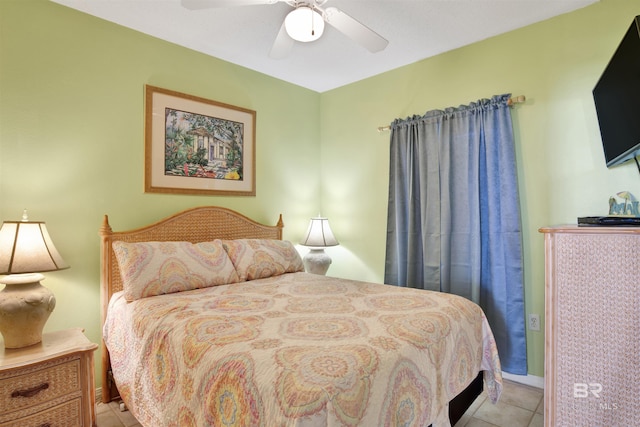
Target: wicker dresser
(592, 331)
(50, 383)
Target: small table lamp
(25, 305)
(318, 237)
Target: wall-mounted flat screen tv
(617, 100)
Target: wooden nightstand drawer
(31, 386)
(64, 415)
(49, 383)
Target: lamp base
(316, 262)
(25, 306)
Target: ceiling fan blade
(282, 45)
(206, 4)
(355, 30)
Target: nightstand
(50, 383)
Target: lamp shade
(26, 247)
(319, 234)
(304, 24)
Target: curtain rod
(520, 99)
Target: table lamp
(318, 237)
(26, 250)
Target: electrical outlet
(534, 322)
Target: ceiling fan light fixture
(304, 24)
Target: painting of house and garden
(202, 146)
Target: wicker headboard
(194, 225)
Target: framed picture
(198, 146)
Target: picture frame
(198, 146)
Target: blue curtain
(454, 217)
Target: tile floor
(519, 406)
(109, 415)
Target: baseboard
(530, 380)
(99, 394)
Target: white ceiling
(243, 35)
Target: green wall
(72, 138)
(72, 129)
(562, 173)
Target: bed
(210, 320)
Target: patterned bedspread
(298, 350)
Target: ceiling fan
(305, 23)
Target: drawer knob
(30, 392)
